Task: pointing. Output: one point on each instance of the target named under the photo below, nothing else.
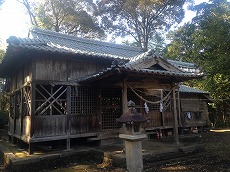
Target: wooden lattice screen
(26, 101)
(18, 103)
(83, 100)
(50, 100)
(110, 108)
(12, 105)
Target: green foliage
(4, 106)
(71, 16)
(2, 53)
(4, 101)
(206, 41)
(141, 19)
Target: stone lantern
(132, 136)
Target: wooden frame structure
(65, 87)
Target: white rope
(156, 102)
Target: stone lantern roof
(132, 116)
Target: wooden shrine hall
(64, 87)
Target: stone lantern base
(133, 149)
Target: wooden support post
(124, 105)
(175, 121)
(68, 144)
(99, 110)
(13, 140)
(68, 109)
(179, 108)
(14, 111)
(32, 113)
(162, 110)
(31, 149)
(124, 99)
(22, 110)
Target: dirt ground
(216, 157)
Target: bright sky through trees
(14, 20)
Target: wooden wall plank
(51, 69)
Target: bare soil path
(215, 158)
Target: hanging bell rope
(151, 102)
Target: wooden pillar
(124, 99)
(22, 110)
(175, 121)
(31, 149)
(99, 109)
(162, 110)
(179, 108)
(14, 111)
(32, 113)
(68, 109)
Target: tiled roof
(181, 66)
(53, 42)
(146, 71)
(184, 66)
(187, 89)
(49, 41)
(68, 43)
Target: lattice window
(12, 105)
(26, 108)
(50, 100)
(18, 104)
(109, 117)
(167, 104)
(110, 108)
(83, 100)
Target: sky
(15, 22)
(13, 19)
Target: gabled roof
(205, 95)
(150, 59)
(184, 66)
(145, 65)
(72, 44)
(117, 73)
(187, 89)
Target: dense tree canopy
(70, 16)
(206, 41)
(141, 19)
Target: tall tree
(31, 7)
(70, 16)
(206, 41)
(141, 19)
